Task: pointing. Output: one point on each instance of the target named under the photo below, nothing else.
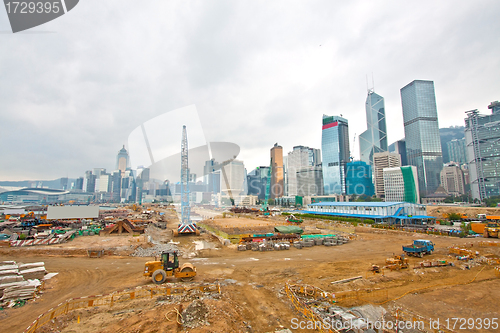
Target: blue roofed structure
(382, 212)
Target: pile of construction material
(299, 244)
(326, 241)
(267, 246)
(20, 281)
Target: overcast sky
(259, 72)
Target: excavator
(168, 266)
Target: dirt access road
(256, 279)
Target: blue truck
(419, 248)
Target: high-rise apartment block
(452, 180)
(380, 162)
(277, 176)
(423, 143)
(374, 139)
(401, 184)
(482, 140)
(335, 153)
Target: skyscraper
(257, 181)
(482, 136)
(299, 158)
(277, 186)
(423, 143)
(382, 161)
(359, 178)
(233, 180)
(374, 139)
(122, 160)
(309, 181)
(456, 151)
(335, 153)
(399, 147)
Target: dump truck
(419, 248)
(492, 230)
(168, 266)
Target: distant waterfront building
(380, 162)
(399, 147)
(104, 183)
(122, 160)
(401, 184)
(374, 139)
(359, 179)
(79, 183)
(128, 186)
(277, 177)
(456, 151)
(211, 176)
(89, 182)
(335, 153)
(116, 184)
(423, 143)
(482, 140)
(452, 180)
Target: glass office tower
(374, 139)
(335, 153)
(482, 140)
(423, 143)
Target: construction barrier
(304, 309)
(116, 297)
(337, 297)
(33, 242)
(485, 243)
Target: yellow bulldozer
(397, 263)
(492, 230)
(168, 266)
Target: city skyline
(267, 76)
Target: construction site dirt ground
(252, 284)
(471, 212)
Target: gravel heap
(196, 314)
(155, 250)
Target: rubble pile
(196, 314)
(155, 250)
